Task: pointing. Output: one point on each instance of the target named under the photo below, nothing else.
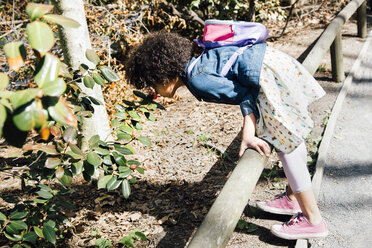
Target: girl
(273, 91)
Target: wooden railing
(223, 216)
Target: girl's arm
(249, 140)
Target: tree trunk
(75, 41)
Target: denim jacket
(241, 84)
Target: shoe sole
(299, 236)
(276, 210)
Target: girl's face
(169, 88)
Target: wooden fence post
(362, 20)
(338, 74)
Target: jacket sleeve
(248, 105)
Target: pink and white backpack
(219, 33)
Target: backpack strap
(226, 67)
(232, 60)
(189, 69)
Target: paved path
(345, 196)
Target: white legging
(295, 169)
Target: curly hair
(160, 57)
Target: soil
(195, 147)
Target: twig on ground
(11, 31)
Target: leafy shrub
(54, 107)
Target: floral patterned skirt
(287, 89)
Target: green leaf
(107, 160)
(66, 22)
(13, 238)
(94, 139)
(92, 56)
(127, 240)
(122, 149)
(102, 182)
(103, 243)
(15, 53)
(39, 232)
(124, 136)
(130, 162)
(35, 10)
(113, 183)
(125, 188)
(30, 237)
(126, 128)
(89, 82)
(45, 194)
(144, 110)
(2, 217)
(39, 200)
(70, 134)
(50, 223)
(54, 88)
(48, 70)
(134, 115)
(150, 116)
(139, 94)
(115, 123)
(49, 234)
(102, 151)
(2, 118)
(76, 150)
(252, 227)
(124, 172)
(139, 235)
(62, 114)
(18, 215)
(94, 159)
(22, 97)
(30, 116)
(66, 179)
(40, 36)
(59, 172)
(140, 170)
(4, 80)
(121, 115)
(77, 168)
(17, 225)
(119, 159)
(137, 125)
(52, 163)
(98, 79)
(144, 140)
(119, 107)
(44, 187)
(66, 205)
(109, 74)
(242, 224)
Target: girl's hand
(256, 143)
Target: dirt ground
(195, 146)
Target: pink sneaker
(280, 205)
(298, 227)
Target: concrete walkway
(345, 192)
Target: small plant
(203, 137)
(247, 227)
(272, 173)
(128, 241)
(103, 243)
(322, 68)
